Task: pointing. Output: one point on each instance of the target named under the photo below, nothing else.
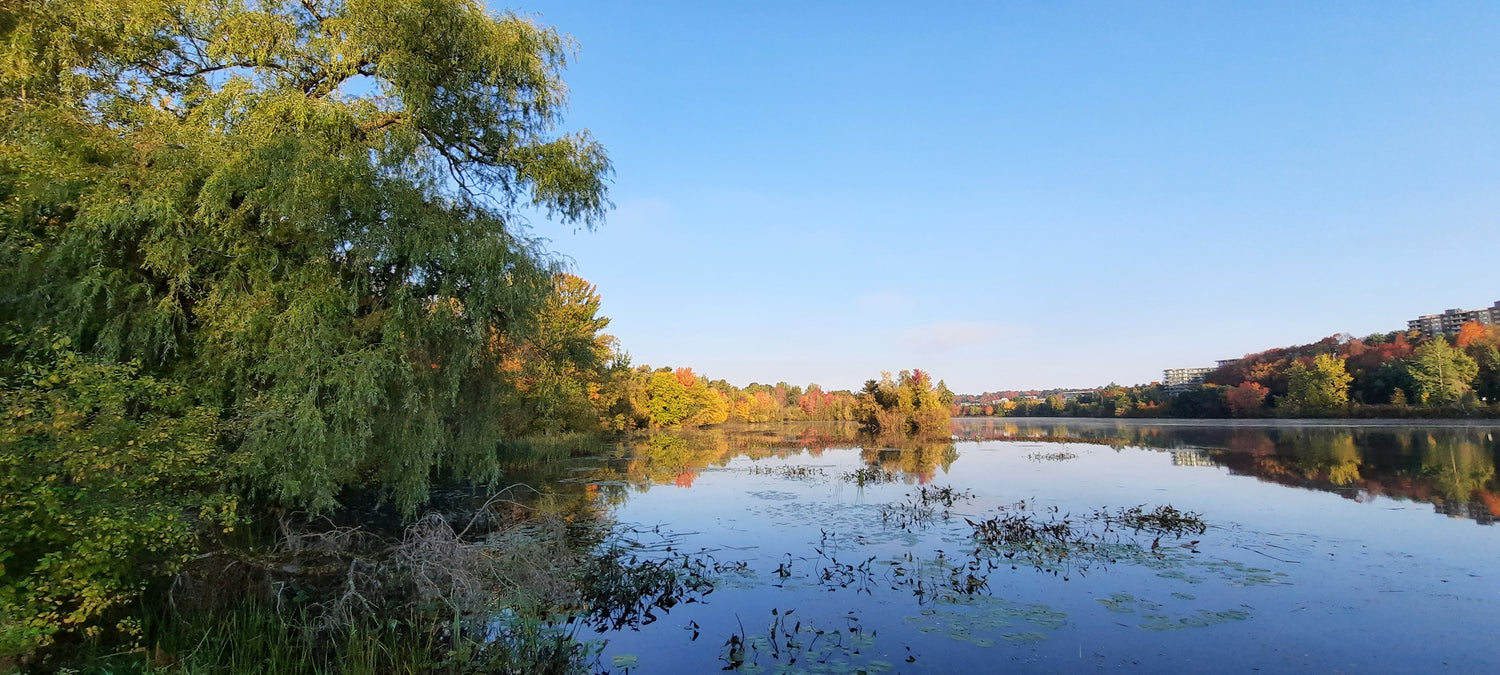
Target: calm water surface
(1326, 548)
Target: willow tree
(305, 212)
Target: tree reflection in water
(1452, 468)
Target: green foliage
(1391, 377)
(1207, 401)
(1460, 469)
(681, 398)
(709, 406)
(621, 403)
(1487, 383)
(1113, 400)
(303, 212)
(107, 479)
(278, 245)
(1442, 373)
(641, 397)
(668, 400)
(252, 638)
(554, 374)
(1320, 389)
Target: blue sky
(1016, 194)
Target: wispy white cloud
(886, 300)
(948, 335)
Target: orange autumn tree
(1482, 343)
(1470, 333)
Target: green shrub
(107, 480)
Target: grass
(255, 637)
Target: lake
(1056, 545)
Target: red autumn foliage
(1367, 357)
(1246, 398)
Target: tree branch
(382, 122)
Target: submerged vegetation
(870, 475)
(920, 508)
(790, 472)
(1052, 456)
(1063, 543)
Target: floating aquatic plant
(789, 472)
(869, 475)
(1051, 456)
(628, 581)
(1050, 540)
(792, 645)
(920, 508)
(1162, 520)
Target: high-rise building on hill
(1184, 377)
(1451, 320)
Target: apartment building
(1451, 320)
(1184, 377)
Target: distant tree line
(1398, 374)
(571, 377)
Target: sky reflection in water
(1350, 548)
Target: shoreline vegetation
(1398, 375)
